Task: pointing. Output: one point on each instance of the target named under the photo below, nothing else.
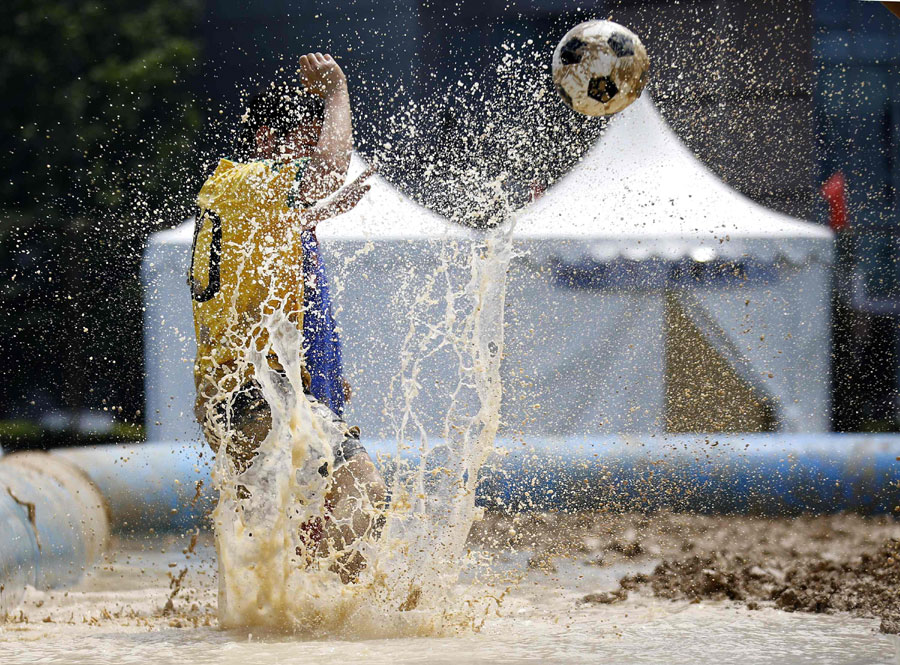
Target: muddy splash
(272, 575)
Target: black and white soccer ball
(600, 67)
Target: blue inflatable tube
(18, 552)
(55, 509)
(765, 474)
(167, 486)
(149, 486)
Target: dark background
(113, 114)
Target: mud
(825, 564)
(565, 605)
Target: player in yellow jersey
(255, 252)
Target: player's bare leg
(357, 499)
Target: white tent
(638, 218)
(639, 221)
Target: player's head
(282, 121)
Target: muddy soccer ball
(600, 67)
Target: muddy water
(273, 574)
(121, 614)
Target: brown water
(117, 615)
(271, 576)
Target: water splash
(273, 573)
(279, 577)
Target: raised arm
(329, 162)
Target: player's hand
(343, 201)
(320, 74)
(348, 196)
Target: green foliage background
(98, 128)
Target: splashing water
(273, 574)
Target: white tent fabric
(640, 193)
(579, 359)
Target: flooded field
(155, 602)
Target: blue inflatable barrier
(765, 474)
(167, 486)
(18, 551)
(55, 509)
(149, 486)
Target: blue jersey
(323, 345)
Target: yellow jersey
(246, 259)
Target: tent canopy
(640, 192)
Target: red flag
(835, 192)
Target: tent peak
(640, 181)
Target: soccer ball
(600, 67)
